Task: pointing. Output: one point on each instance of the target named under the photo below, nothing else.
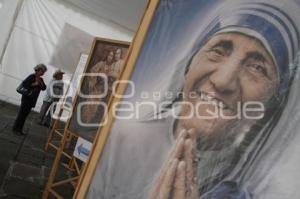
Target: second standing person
(53, 93)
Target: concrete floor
(24, 165)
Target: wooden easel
(55, 129)
(72, 165)
(66, 137)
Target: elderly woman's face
(229, 70)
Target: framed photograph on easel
(103, 68)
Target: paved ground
(24, 165)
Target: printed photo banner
(212, 106)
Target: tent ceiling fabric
(126, 13)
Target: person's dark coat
(27, 83)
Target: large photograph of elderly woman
(215, 109)
(104, 68)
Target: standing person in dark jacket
(35, 83)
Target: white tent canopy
(126, 13)
(31, 30)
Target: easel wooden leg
(50, 136)
(55, 164)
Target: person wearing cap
(245, 54)
(54, 92)
(35, 84)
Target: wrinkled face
(110, 57)
(118, 54)
(228, 71)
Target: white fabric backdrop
(35, 35)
